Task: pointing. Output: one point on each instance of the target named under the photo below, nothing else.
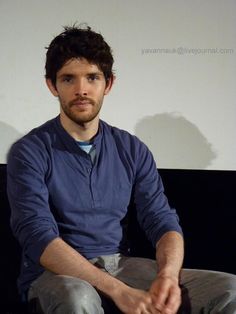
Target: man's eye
(67, 79)
(93, 77)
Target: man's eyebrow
(65, 75)
(95, 73)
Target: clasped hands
(163, 297)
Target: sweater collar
(70, 140)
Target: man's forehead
(80, 64)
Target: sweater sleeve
(31, 220)
(154, 214)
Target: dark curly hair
(76, 42)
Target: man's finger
(173, 301)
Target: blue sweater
(55, 190)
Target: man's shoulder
(37, 132)
(46, 127)
(129, 147)
(127, 144)
(118, 133)
(35, 140)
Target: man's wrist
(169, 272)
(112, 287)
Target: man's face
(80, 87)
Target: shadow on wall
(175, 142)
(8, 136)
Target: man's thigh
(209, 291)
(51, 293)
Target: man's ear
(51, 87)
(109, 84)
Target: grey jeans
(202, 291)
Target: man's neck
(80, 132)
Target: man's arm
(165, 288)
(161, 225)
(60, 258)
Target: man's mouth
(81, 102)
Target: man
(70, 182)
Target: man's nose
(81, 88)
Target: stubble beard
(79, 116)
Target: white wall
(182, 104)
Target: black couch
(206, 204)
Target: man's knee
(82, 297)
(64, 294)
(225, 303)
